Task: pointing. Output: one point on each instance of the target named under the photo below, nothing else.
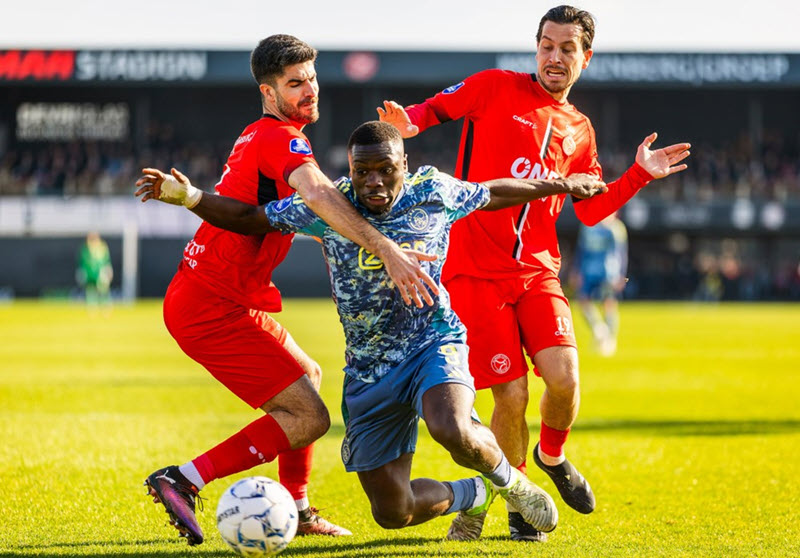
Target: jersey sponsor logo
(525, 122)
(453, 88)
(501, 364)
(418, 219)
(523, 168)
(298, 145)
(568, 145)
(454, 359)
(368, 260)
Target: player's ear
(587, 55)
(267, 92)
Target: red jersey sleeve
(454, 102)
(261, 161)
(592, 211)
(595, 209)
(288, 150)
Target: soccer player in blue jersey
(601, 263)
(402, 362)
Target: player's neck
(558, 96)
(273, 111)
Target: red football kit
(502, 266)
(215, 305)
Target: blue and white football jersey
(380, 329)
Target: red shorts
(243, 351)
(505, 316)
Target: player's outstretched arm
(507, 192)
(661, 162)
(221, 211)
(396, 115)
(403, 266)
(649, 165)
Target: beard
(296, 113)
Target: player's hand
(584, 186)
(174, 190)
(396, 115)
(661, 162)
(405, 271)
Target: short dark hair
(373, 133)
(570, 14)
(273, 54)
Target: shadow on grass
(694, 427)
(391, 546)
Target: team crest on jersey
(453, 88)
(568, 145)
(419, 220)
(300, 146)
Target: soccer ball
(257, 516)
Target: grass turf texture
(689, 437)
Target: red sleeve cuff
(638, 176)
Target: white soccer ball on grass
(257, 516)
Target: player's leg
(253, 365)
(397, 501)
(294, 466)
(590, 312)
(546, 326)
(611, 316)
(496, 361)
(446, 403)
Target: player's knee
(322, 422)
(314, 373)
(392, 515)
(564, 382)
(452, 434)
(316, 418)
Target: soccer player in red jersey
(502, 267)
(217, 305)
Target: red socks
(551, 441)
(258, 442)
(294, 470)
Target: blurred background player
(599, 274)
(502, 267)
(217, 305)
(94, 271)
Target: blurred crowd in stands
(737, 169)
(91, 168)
(674, 267)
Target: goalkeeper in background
(94, 271)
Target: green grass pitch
(690, 437)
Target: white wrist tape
(178, 193)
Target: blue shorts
(596, 287)
(381, 418)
